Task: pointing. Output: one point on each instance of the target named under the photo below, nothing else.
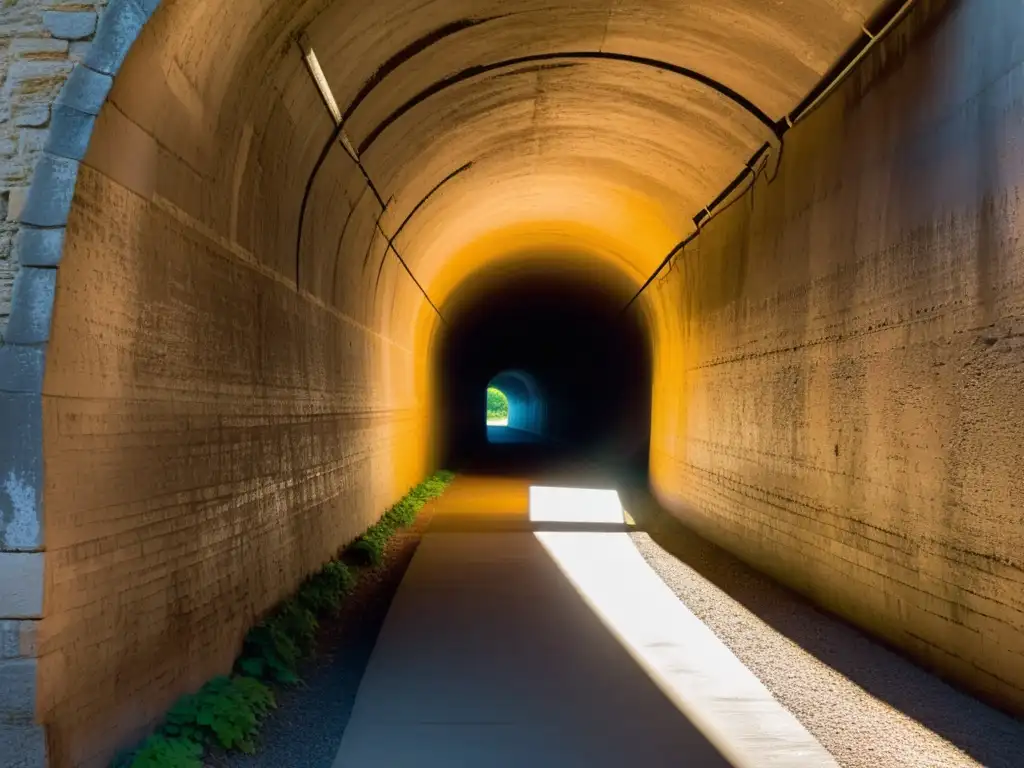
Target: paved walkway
(528, 632)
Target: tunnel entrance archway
(525, 409)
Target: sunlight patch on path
(708, 684)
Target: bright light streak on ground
(694, 669)
(574, 505)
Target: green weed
(159, 751)
(228, 711)
(323, 592)
(368, 549)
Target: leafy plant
(366, 551)
(226, 711)
(296, 621)
(369, 548)
(159, 751)
(497, 404)
(322, 593)
(269, 654)
(272, 650)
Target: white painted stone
(32, 115)
(18, 638)
(21, 574)
(77, 51)
(15, 202)
(33, 140)
(29, 76)
(23, 746)
(17, 688)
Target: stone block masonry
(40, 42)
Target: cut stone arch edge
(39, 247)
(40, 240)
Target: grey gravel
(868, 706)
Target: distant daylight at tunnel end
(511, 383)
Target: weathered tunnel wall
(842, 404)
(213, 432)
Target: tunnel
(525, 406)
(548, 331)
(762, 258)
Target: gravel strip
(868, 706)
(306, 728)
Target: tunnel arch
(174, 164)
(565, 56)
(527, 409)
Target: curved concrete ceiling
(597, 125)
(613, 124)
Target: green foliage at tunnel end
(368, 549)
(228, 711)
(497, 404)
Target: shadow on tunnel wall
(561, 327)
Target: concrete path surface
(528, 631)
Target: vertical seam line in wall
(416, 208)
(336, 135)
(705, 215)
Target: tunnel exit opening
(497, 407)
(516, 409)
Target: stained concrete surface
(489, 657)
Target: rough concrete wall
(40, 41)
(844, 402)
(232, 443)
(211, 431)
